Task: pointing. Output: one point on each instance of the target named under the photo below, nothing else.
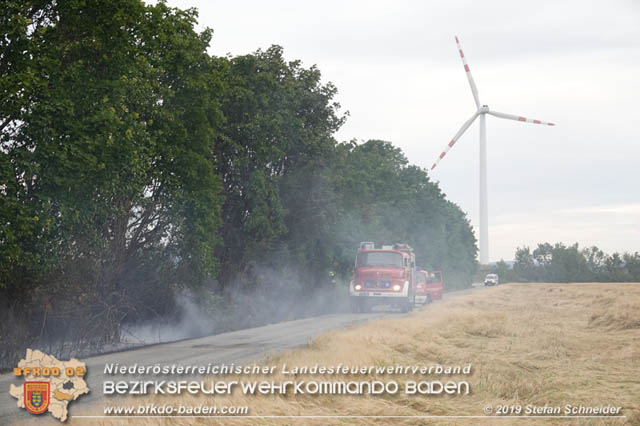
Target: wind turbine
(481, 112)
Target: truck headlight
(357, 287)
(396, 287)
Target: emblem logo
(37, 396)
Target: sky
(398, 73)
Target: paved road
(239, 347)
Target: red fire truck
(428, 286)
(383, 276)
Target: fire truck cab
(383, 276)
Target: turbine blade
(474, 89)
(455, 138)
(518, 118)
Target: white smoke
(281, 296)
(191, 322)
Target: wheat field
(553, 344)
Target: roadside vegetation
(553, 344)
(561, 263)
(135, 166)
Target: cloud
(618, 209)
(613, 228)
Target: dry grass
(537, 344)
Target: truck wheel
(429, 299)
(355, 306)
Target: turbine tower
(482, 111)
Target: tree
(524, 266)
(560, 263)
(279, 118)
(632, 265)
(112, 196)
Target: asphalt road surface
(239, 347)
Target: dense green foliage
(110, 194)
(133, 165)
(559, 263)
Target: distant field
(539, 344)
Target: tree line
(135, 165)
(561, 263)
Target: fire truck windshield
(421, 277)
(379, 258)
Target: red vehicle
(384, 276)
(428, 286)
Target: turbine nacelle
(483, 109)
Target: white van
(491, 279)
